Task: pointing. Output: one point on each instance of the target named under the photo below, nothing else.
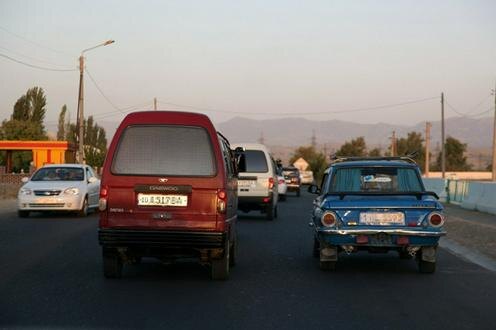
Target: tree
(316, 160)
(62, 125)
(354, 148)
(455, 158)
(413, 143)
(376, 152)
(95, 143)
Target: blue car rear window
(375, 179)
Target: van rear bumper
(160, 238)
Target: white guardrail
(472, 195)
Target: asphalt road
(50, 276)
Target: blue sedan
(378, 205)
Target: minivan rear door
(164, 176)
(254, 181)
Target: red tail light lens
(329, 219)
(221, 201)
(436, 219)
(271, 183)
(281, 181)
(102, 202)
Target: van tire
(298, 193)
(112, 266)
(220, 267)
(83, 212)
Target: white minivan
(257, 180)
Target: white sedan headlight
(71, 191)
(25, 191)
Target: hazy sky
(257, 58)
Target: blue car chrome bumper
(386, 237)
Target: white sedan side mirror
(92, 180)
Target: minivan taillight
(271, 183)
(221, 201)
(102, 202)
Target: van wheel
(270, 212)
(276, 212)
(298, 193)
(112, 266)
(22, 214)
(220, 267)
(426, 266)
(84, 209)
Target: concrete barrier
(438, 186)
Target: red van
(169, 191)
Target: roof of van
(166, 117)
(251, 146)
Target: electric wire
(102, 93)
(302, 113)
(33, 42)
(36, 66)
(468, 115)
(30, 57)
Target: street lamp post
(80, 108)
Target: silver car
(61, 187)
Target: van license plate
(247, 183)
(162, 200)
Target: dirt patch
(8, 191)
(473, 230)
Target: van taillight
(221, 201)
(102, 202)
(271, 183)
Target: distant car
(378, 205)
(61, 187)
(292, 178)
(306, 177)
(257, 180)
(282, 187)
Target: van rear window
(164, 150)
(256, 161)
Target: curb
(467, 254)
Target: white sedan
(282, 187)
(62, 187)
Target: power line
(29, 57)
(102, 93)
(468, 115)
(33, 42)
(303, 113)
(35, 66)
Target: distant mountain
(477, 133)
(292, 132)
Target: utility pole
(80, 108)
(494, 139)
(313, 140)
(443, 142)
(155, 103)
(261, 140)
(428, 126)
(393, 144)
(80, 113)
